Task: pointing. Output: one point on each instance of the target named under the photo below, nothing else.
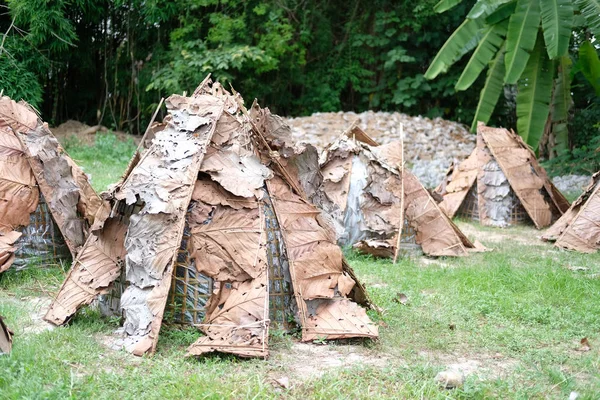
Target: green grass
(105, 161)
(572, 196)
(516, 314)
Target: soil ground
(510, 320)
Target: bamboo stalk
(401, 168)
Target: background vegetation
(110, 62)
(526, 44)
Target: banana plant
(522, 42)
(589, 65)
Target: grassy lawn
(105, 161)
(511, 320)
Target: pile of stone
(430, 144)
(571, 183)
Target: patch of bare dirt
(80, 131)
(308, 360)
(434, 262)
(484, 366)
(522, 235)
(109, 341)
(36, 309)
(378, 285)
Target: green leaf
(590, 9)
(561, 138)
(491, 90)
(489, 44)
(561, 103)
(561, 98)
(470, 45)
(445, 5)
(534, 94)
(520, 38)
(460, 39)
(557, 23)
(485, 7)
(589, 65)
(502, 13)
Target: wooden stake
(401, 168)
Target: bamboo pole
(401, 168)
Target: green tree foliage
(23, 55)
(300, 57)
(17, 79)
(524, 42)
(110, 62)
(589, 65)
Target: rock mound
(430, 144)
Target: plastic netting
(42, 244)
(190, 290)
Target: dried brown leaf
(377, 220)
(238, 322)
(7, 249)
(5, 338)
(316, 266)
(15, 116)
(376, 248)
(65, 187)
(458, 185)
(523, 172)
(436, 233)
(237, 170)
(9, 144)
(227, 244)
(337, 318)
(211, 193)
(164, 180)
(93, 271)
(585, 345)
(356, 133)
(336, 180)
(19, 192)
(579, 228)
